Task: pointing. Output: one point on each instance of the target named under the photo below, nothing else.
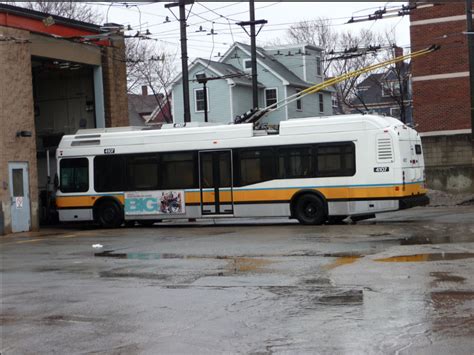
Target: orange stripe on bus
(330, 193)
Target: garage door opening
(64, 102)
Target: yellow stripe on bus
(242, 196)
(82, 201)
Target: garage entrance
(64, 101)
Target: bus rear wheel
(109, 214)
(309, 210)
(336, 220)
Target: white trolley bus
(317, 170)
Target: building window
(247, 64)
(199, 100)
(390, 88)
(321, 103)
(271, 97)
(299, 103)
(318, 66)
(395, 112)
(334, 101)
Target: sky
(222, 16)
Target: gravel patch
(441, 199)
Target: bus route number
(381, 169)
(109, 151)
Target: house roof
(222, 69)
(38, 15)
(273, 64)
(229, 69)
(388, 74)
(371, 79)
(140, 107)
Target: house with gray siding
(282, 72)
(388, 93)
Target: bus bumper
(413, 201)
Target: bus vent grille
(87, 136)
(384, 149)
(85, 142)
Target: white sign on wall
(19, 202)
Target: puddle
(137, 275)
(426, 257)
(341, 298)
(422, 239)
(68, 318)
(317, 281)
(139, 256)
(449, 299)
(236, 265)
(446, 277)
(344, 260)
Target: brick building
(57, 76)
(441, 94)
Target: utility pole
(470, 45)
(253, 48)
(184, 53)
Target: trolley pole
(470, 45)
(184, 53)
(253, 48)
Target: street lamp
(202, 79)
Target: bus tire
(309, 209)
(129, 224)
(109, 214)
(336, 220)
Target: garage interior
(64, 102)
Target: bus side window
(256, 165)
(335, 159)
(74, 175)
(142, 172)
(294, 162)
(109, 173)
(418, 149)
(178, 170)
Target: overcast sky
(280, 15)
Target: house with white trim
(282, 72)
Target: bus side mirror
(56, 181)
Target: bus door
(215, 181)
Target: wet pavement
(401, 283)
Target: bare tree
(149, 64)
(319, 32)
(347, 90)
(70, 9)
(398, 78)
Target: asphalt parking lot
(401, 283)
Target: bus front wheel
(309, 209)
(109, 214)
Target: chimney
(398, 51)
(144, 90)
